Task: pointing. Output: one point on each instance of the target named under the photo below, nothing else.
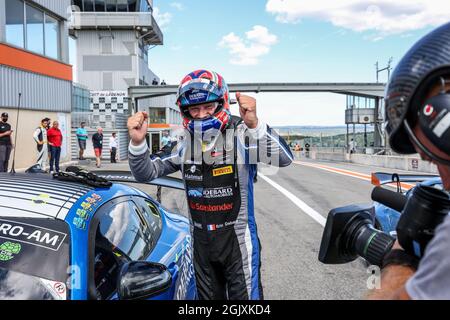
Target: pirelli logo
(222, 171)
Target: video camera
(350, 232)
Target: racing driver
(217, 158)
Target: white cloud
(163, 19)
(177, 5)
(248, 51)
(384, 17)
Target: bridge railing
(358, 150)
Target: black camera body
(350, 232)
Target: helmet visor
(199, 92)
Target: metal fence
(357, 150)
(115, 121)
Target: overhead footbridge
(368, 90)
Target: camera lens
(350, 233)
(425, 210)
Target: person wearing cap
(417, 107)
(6, 144)
(40, 136)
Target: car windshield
(34, 258)
(19, 286)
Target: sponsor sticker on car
(8, 250)
(31, 234)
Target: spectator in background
(97, 141)
(6, 144)
(48, 123)
(40, 136)
(352, 146)
(48, 146)
(155, 82)
(82, 136)
(55, 139)
(165, 140)
(307, 148)
(163, 83)
(113, 147)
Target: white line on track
(299, 203)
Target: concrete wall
(409, 163)
(124, 62)
(395, 162)
(26, 152)
(124, 45)
(329, 156)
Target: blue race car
(73, 240)
(386, 218)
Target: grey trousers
(5, 152)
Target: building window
(111, 5)
(132, 5)
(122, 5)
(35, 30)
(107, 81)
(144, 7)
(51, 37)
(14, 23)
(78, 3)
(100, 5)
(88, 5)
(106, 45)
(157, 115)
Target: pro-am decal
(31, 234)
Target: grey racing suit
(219, 190)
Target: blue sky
(290, 41)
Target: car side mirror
(142, 280)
